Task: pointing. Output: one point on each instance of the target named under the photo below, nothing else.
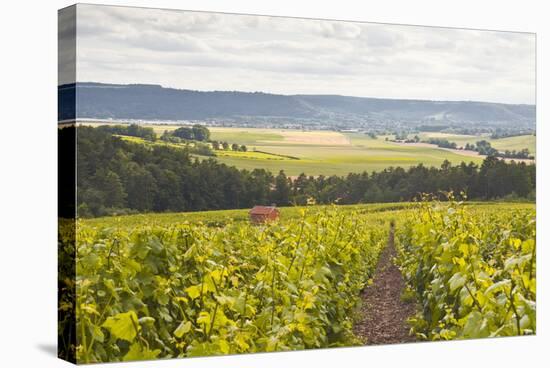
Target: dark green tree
(281, 194)
(200, 133)
(111, 186)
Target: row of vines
(192, 290)
(473, 272)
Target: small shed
(262, 214)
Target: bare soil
(384, 313)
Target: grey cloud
(66, 52)
(381, 36)
(195, 22)
(440, 44)
(153, 40)
(197, 50)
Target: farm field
(329, 153)
(269, 137)
(509, 143)
(516, 143)
(336, 153)
(175, 285)
(258, 135)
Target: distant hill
(153, 102)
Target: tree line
(199, 134)
(484, 148)
(194, 133)
(116, 177)
(441, 142)
(132, 130)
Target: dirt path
(384, 314)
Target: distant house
(262, 214)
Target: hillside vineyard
(236, 184)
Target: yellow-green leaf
(193, 291)
(136, 352)
(182, 329)
(123, 326)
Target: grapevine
(193, 290)
(473, 272)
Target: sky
(214, 51)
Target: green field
(337, 153)
(250, 155)
(516, 143)
(248, 136)
(328, 153)
(510, 143)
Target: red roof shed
(262, 214)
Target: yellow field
(336, 153)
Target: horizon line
(296, 94)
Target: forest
(119, 177)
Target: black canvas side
(66, 174)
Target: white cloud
(211, 51)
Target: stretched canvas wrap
(234, 184)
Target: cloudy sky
(211, 51)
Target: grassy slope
(380, 212)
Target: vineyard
(193, 290)
(473, 273)
(164, 288)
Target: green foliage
(443, 143)
(188, 289)
(132, 130)
(473, 273)
(194, 133)
(66, 289)
(119, 176)
(484, 148)
(281, 194)
(194, 289)
(123, 326)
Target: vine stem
(511, 296)
(213, 320)
(86, 357)
(297, 245)
(243, 317)
(273, 297)
(474, 298)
